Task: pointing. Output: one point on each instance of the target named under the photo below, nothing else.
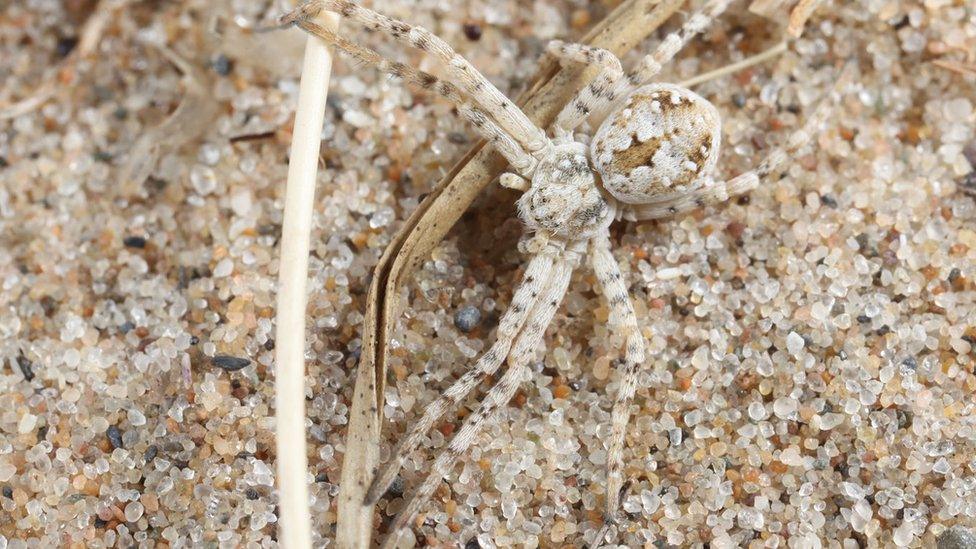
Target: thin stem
(734, 67)
(295, 524)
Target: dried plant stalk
(735, 67)
(619, 32)
(292, 465)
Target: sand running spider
(653, 156)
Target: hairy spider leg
(609, 85)
(499, 395)
(601, 90)
(523, 300)
(486, 127)
(623, 320)
(461, 72)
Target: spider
(653, 156)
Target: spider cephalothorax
(563, 198)
(653, 156)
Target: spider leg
(483, 123)
(622, 318)
(499, 395)
(608, 86)
(466, 77)
(523, 301)
(602, 90)
(523, 163)
(652, 63)
(712, 192)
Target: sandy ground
(811, 375)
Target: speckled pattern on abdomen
(664, 140)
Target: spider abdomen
(663, 140)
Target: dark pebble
(222, 65)
(114, 436)
(969, 151)
(8, 492)
(50, 306)
(904, 418)
(134, 242)
(251, 494)
(269, 345)
(155, 185)
(269, 229)
(151, 452)
(467, 318)
(738, 100)
(956, 537)
(4, 162)
(472, 31)
(396, 488)
(910, 362)
(335, 104)
(26, 368)
(127, 327)
(863, 319)
(968, 183)
(954, 274)
(194, 340)
(321, 477)
(230, 363)
(99, 523)
(65, 46)
(472, 544)
(828, 200)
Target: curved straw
(292, 464)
